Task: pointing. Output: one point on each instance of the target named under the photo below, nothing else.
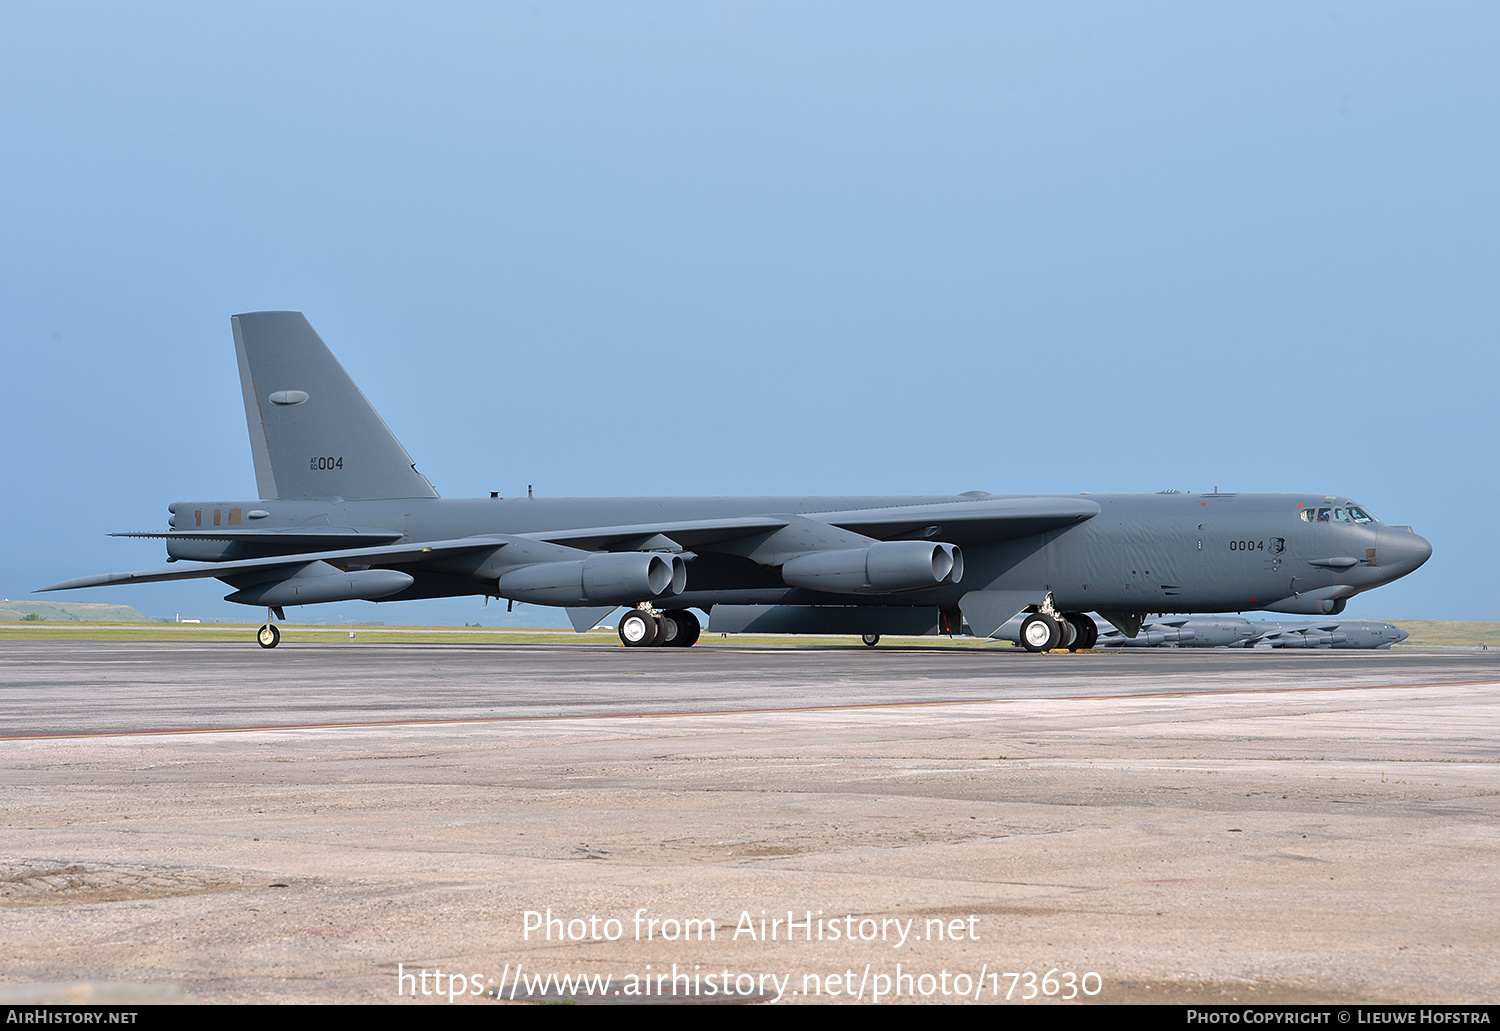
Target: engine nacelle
(608, 578)
(319, 582)
(882, 568)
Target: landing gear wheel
(688, 628)
(268, 636)
(638, 629)
(667, 629)
(1067, 633)
(1039, 633)
(871, 640)
(1088, 632)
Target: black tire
(871, 640)
(268, 636)
(667, 629)
(637, 629)
(1088, 632)
(1039, 633)
(1067, 633)
(688, 629)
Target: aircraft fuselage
(1140, 553)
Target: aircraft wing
(961, 522)
(698, 533)
(966, 522)
(390, 555)
(981, 519)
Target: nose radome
(1403, 550)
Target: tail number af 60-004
(322, 464)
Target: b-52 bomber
(344, 514)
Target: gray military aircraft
(1356, 633)
(1182, 632)
(344, 514)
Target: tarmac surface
(338, 823)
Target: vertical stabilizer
(312, 433)
(265, 480)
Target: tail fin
(312, 433)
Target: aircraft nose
(1403, 551)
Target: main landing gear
(645, 628)
(1044, 631)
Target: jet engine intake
(882, 568)
(607, 578)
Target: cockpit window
(1352, 514)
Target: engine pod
(882, 568)
(601, 579)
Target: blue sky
(622, 249)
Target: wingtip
(68, 585)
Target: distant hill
(1447, 633)
(70, 612)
